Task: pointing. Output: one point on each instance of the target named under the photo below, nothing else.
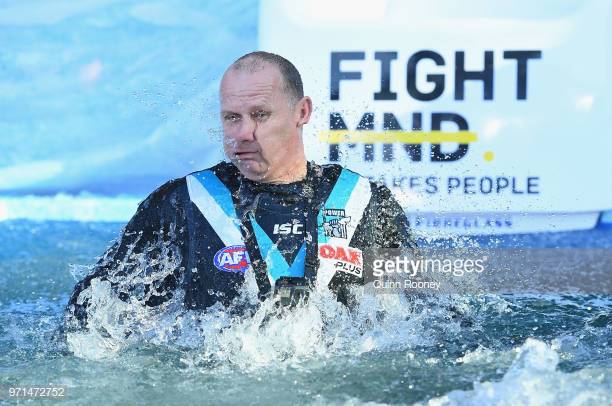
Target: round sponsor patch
(234, 258)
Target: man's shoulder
(168, 192)
(169, 188)
(227, 172)
(179, 185)
(219, 169)
(380, 196)
(163, 203)
(336, 169)
(175, 192)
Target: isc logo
(288, 228)
(232, 259)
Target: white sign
(461, 108)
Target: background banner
(481, 117)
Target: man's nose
(246, 130)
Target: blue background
(113, 97)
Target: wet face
(261, 125)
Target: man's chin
(251, 169)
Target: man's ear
(304, 110)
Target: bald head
(256, 61)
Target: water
(524, 348)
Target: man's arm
(146, 262)
(392, 229)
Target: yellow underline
(391, 136)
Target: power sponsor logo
(234, 258)
(342, 258)
(334, 223)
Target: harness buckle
(291, 290)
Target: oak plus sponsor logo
(232, 259)
(343, 258)
(335, 222)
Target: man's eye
(231, 118)
(260, 115)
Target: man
(295, 224)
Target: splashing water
(266, 335)
(445, 349)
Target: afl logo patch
(232, 259)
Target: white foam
(534, 379)
(321, 328)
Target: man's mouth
(246, 155)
